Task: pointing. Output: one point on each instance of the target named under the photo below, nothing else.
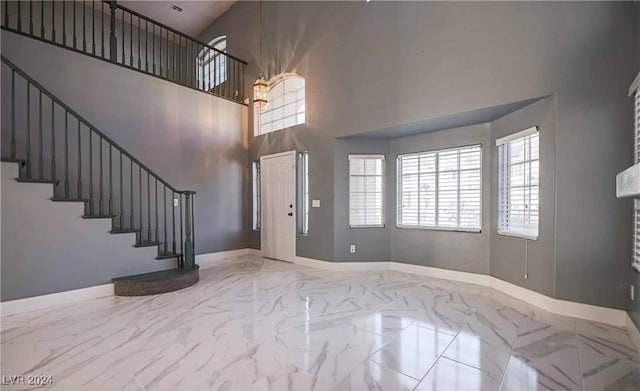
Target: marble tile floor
(255, 324)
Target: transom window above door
(285, 105)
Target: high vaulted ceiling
(194, 18)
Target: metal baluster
(113, 39)
(6, 14)
(124, 61)
(173, 221)
(102, 27)
(164, 210)
(215, 72)
(160, 51)
(148, 207)
(193, 227)
(130, 40)
(146, 45)
(13, 114)
(121, 195)
(84, 27)
(64, 22)
(53, 20)
(66, 154)
(110, 180)
(19, 17)
(156, 193)
(93, 28)
(31, 17)
(74, 24)
(131, 193)
(139, 57)
(90, 171)
(153, 47)
(100, 209)
(53, 141)
(40, 154)
(28, 129)
(79, 162)
(41, 19)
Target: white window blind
(366, 190)
(518, 184)
(636, 204)
(441, 189)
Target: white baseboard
(633, 331)
(211, 259)
(73, 296)
(561, 307)
(55, 299)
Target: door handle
(290, 213)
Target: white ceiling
(194, 18)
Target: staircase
(107, 31)
(52, 144)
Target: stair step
(22, 162)
(57, 199)
(156, 282)
(35, 180)
(147, 244)
(168, 255)
(124, 231)
(98, 216)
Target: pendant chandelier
(260, 87)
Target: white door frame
(293, 153)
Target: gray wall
(463, 251)
(364, 71)
(71, 253)
(193, 140)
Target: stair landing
(156, 282)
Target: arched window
(212, 64)
(286, 104)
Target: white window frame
(382, 176)
(255, 181)
(304, 156)
(437, 227)
(504, 178)
(213, 61)
(299, 105)
(634, 90)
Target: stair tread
(13, 160)
(58, 199)
(147, 244)
(168, 255)
(99, 216)
(35, 180)
(124, 231)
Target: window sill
(462, 230)
(521, 236)
(367, 226)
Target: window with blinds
(366, 190)
(441, 189)
(519, 184)
(304, 156)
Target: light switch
(176, 202)
(315, 203)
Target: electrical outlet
(632, 293)
(176, 202)
(352, 248)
